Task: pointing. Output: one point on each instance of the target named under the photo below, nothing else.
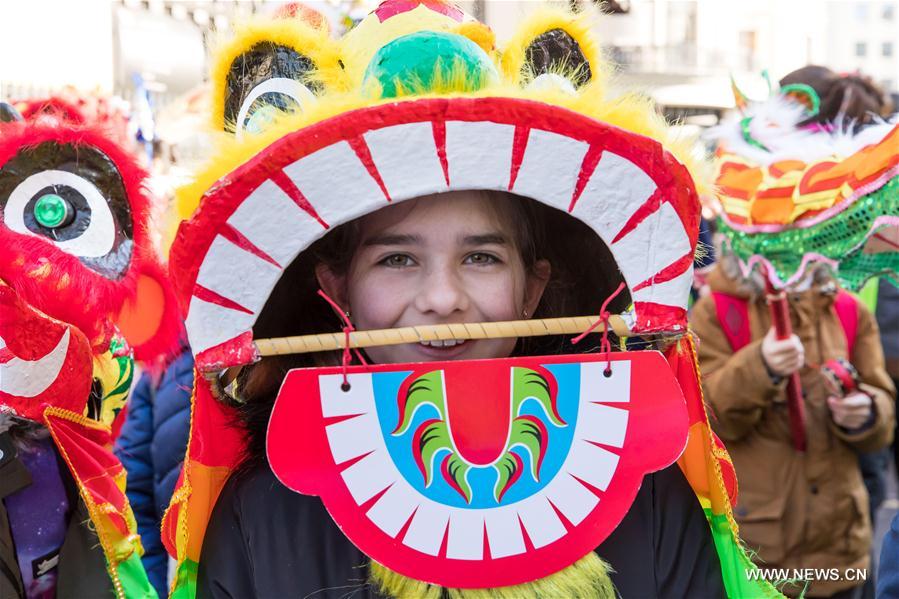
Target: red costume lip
(43, 362)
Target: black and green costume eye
(266, 80)
(555, 52)
(53, 211)
(75, 198)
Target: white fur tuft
(775, 124)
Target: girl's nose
(442, 293)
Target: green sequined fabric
(840, 239)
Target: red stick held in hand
(780, 319)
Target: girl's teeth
(439, 343)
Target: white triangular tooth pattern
(30, 378)
(360, 399)
(655, 243)
(671, 293)
(615, 190)
(479, 155)
(550, 167)
(466, 535)
(540, 520)
(275, 223)
(573, 499)
(595, 386)
(369, 476)
(392, 510)
(593, 465)
(602, 424)
(503, 532)
(227, 267)
(336, 183)
(209, 324)
(406, 157)
(354, 437)
(425, 532)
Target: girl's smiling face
(441, 259)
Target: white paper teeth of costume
(359, 437)
(267, 231)
(30, 378)
(479, 155)
(401, 150)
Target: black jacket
(266, 541)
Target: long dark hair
(584, 273)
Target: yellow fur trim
(588, 578)
(630, 112)
(479, 34)
(307, 40)
(633, 113)
(546, 19)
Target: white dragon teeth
(445, 343)
(359, 436)
(477, 155)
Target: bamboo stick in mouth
(572, 325)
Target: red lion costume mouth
(43, 362)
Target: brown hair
(584, 273)
(852, 98)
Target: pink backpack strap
(846, 308)
(733, 314)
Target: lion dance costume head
(416, 100)
(74, 254)
(797, 195)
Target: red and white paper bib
(479, 474)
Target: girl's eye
(397, 261)
(481, 259)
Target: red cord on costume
(605, 345)
(347, 329)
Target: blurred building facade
(680, 51)
(683, 52)
(864, 35)
(714, 36)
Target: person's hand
(783, 357)
(852, 411)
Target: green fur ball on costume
(587, 578)
(430, 61)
